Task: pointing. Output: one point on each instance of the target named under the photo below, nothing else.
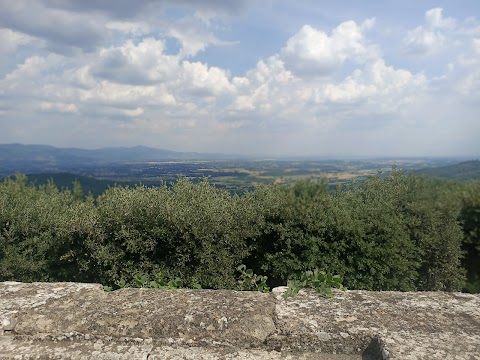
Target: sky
(254, 77)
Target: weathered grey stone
(28, 349)
(421, 325)
(81, 321)
(185, 316)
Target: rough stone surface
(421, 325)
(81, 321)
(100, 349)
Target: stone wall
(81, 321)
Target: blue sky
(272, 77)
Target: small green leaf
(241, 268)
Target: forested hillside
(467, 170)
(90, 185)
(397, 232)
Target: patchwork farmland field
(237, 176)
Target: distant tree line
(397, 232)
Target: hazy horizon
(271, 78)
(264, 156)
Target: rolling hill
(466, 170)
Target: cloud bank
(91, 74)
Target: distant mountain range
(19, 152)
(45, 158)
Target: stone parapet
(81, 321)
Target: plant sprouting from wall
(320, 281)
(248, 281)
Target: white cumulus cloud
(312, 52)
(136, 63)
(432, 36)
(161, 73)
(11, 40)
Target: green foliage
(395, 232)
(473, 284)
(158, 281)
(284, 216)
(248, 281)
(391, 233)
(467, 170)
(320, 281)
(419, 221)
(44, 233)
(470, 220)
(190, 230)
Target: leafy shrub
(44, 233)
(248, 281)
(395, 232)
(416, 233)
(187, 231)
(320, 281)
(470, 221)
(283, 244)
(390, 233)
(158, 281)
